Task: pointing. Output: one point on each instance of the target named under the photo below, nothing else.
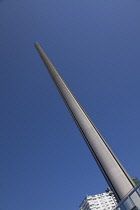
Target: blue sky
(95, 45)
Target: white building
(102, 201)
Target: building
(102, 201)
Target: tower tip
(36, 43)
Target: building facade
(102, 201)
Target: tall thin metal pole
(113, 171)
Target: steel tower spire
(113, 171)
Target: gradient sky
(95, 45)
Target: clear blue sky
(95, 45)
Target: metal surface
(114, 173)
(132, 199)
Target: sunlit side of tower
(114, 173)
